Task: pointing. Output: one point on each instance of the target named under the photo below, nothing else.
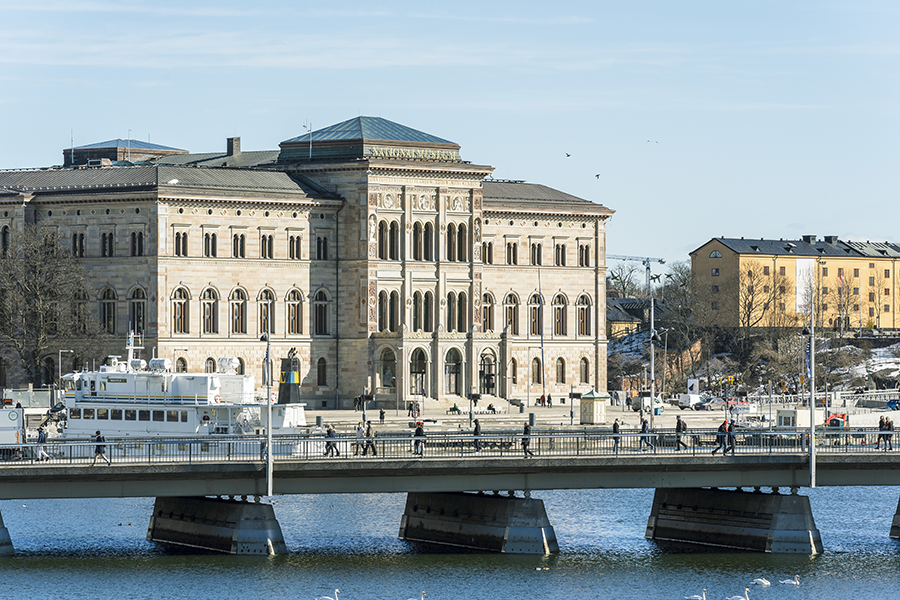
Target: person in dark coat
(730, 439)
(680, 429)
(419, 435)
(721, 434)
(370, 440)
(100, 449)
(645, 435)
(331, 448)
(616, 437)
(477, 434)
(526, 441)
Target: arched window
(487, 253)
(321, 248)
(238, 311)
(108, 310)
(535, 315)
(180, 312)
(209, 302)
(238, 245)
(394, 312)
(462, 244)
(320, 306)
(584, 255)
(417, 242)
(536, 370)
(513, 372)
(428, 242)
(451, 242)
(511, 314)
(267, 246)
(428, 312)
(394, 241)
(295, 247)
(137, 311)
(559, 255)
(560, 370)
(388, 368)
(418, 367)
(107, 244)
(77, 244)
(451, 311)
(584, 315)
(417, 312)
(382, 311)
(266, 311)
(322, 372)
(559, 315)
(486, 374)
(487, 312)
(453, 372)
(715, 254)
(137, 243)
(383, 240)
(536, 254)
(584, 371)
(295, 312)
(462, 312)
(210, 365)
(181, 365)
(210, 244)
(4, 242)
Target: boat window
(116, 414)
(92, 385)
(102, 385)
(74, 413)
(158, 415)
(78, 384)
(184, 418)
(143, 415)
(68, 385)
(88, 413)
(103, 413)
(172, 416)
(130, 414)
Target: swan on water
(794, 581)
(422, 598)
(761, 581)
(746, 596)
(336, 592)
(695, 597)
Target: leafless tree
(627, 278)
(43, 292)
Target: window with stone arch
(428, 242)
(295, 247)
(108, 302)
(584, 370)
(322, 372)
(513, 371)
(560, 308)
(238, 302)
(210, 365)
(294, 312)
(418, 367)
(535, 314)
(239, 245)
(321, 303)
(210, 244)
(181, 365)
(394, 241)
(536, 370)
(180, 311)
(388, 368)
(137, 311)
(451, 311)
(428, 312)
(487, 312)
(584, 315)
(417, 324)
(383, 240)
(137, 243)
(383, 310)
(267, 246)
(266, 311)
(512, 253)
(511, 314)
(462, 243)
(417, 242)
(560, 370)
(5, 238)
(462, 313)
(209, 311)
(451, 242)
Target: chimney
(234, 146)
(809, 239)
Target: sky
(691, 119)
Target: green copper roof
(120, 143)
(369, 128)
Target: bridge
(202, 485)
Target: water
(97, 549)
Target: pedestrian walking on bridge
(680, 429)
(100, 449)
(645, 436)
(526, 441)
(477, 434)
(370, 440)
(721, 434)
(616, 437)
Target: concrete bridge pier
(6, 547)
(229, 526)
(485, 522)
(895, 524)
(735, 519)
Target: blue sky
(702, 118)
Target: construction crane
(644, 260)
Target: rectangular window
(765, 270)
(715, 289)
(74, 413)
(871, 296)
(824, 271)
(856, 291)
(871, 312)
(172, 416)
(88, 413)
(715, 306)
(887, 291)
(824, 290)
(103, 414)
(765, 289)
(143, 415)
(158, 415)
(871, 281)
(887, 273)
(871, 265)
(184, 418)
(887, 308)
(116, 414)
(856, 307)
(856, 272)
(715, 272)
(781, 306)
(781, 271)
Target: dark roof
(220, 159)
(120, 143)
(876, 249)
(518, 194)
(802, 247)
(369, 128)
(151, 176)
(617, 314)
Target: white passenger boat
(132, 398)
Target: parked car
(713, 404)
(692, 401)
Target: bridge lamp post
(59, 366)
(811, 361)
(268, 374)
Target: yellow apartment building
(769, 283)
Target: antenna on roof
(308, 127)
(72, 147)
(128, 155)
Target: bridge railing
(599, 443)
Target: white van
(643, 401)
(691, 401)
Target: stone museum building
(394, 267)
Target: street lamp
(267, 373)
(811, 361)
(59, 365)
(665, 343)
